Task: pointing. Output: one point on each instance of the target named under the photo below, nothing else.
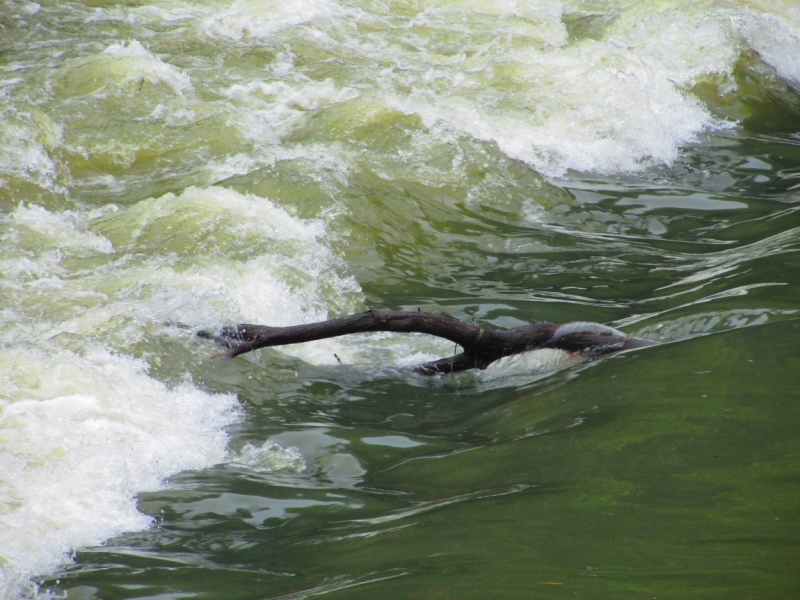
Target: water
(168, 167)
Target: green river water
(172, 166)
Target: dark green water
(209, 163)
(670, 472)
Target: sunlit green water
(209, 163)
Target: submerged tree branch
(481, 346)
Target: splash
(80, 435)
(84, 426)
(271, 457)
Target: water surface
(169, 167)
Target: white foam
(204, 258)
(264, 18)
(679, 47)
(31, 8)
(589, 106)
(271, 457)
(65, 230)
(279, 103)
(118, 66)
(616, 103)
(242, 255)
(775, 38)
(83, 429)
(26, 138)
(80, 436)
(146, 65)
(149, 14)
